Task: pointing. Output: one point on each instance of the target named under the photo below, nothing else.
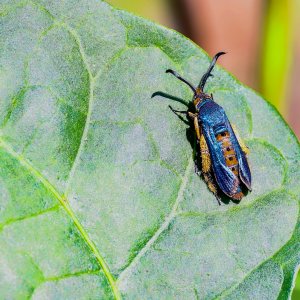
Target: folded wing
(226, 179)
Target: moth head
(199, 97)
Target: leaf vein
(63, 201)
(232, 288)
(12, 221)
(162, 228)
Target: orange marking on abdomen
(228, 151)
(230, 158)
(223, 135)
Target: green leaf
(99, 198)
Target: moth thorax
(200, 97)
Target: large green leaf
(99, 198)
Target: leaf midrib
(64, 202)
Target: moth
(222, 152)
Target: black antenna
(182, 79)
(208, 73)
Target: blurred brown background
(262, 39)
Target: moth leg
(207, 169)
(197, 130)
(196, 125)
(205, 156)
(184, 112)
(245, 149)
(192, 115)
(201, 143)
(211, 185)
(177, 112)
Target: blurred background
(262, 37)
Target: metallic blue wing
(225, 178)
(213, 120)
(244, 170)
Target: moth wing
(225, 178)
(244, 169)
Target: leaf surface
(99, 198)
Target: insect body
(223, 154)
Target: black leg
(177, 112)
(184, 112)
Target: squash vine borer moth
(223, 154)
